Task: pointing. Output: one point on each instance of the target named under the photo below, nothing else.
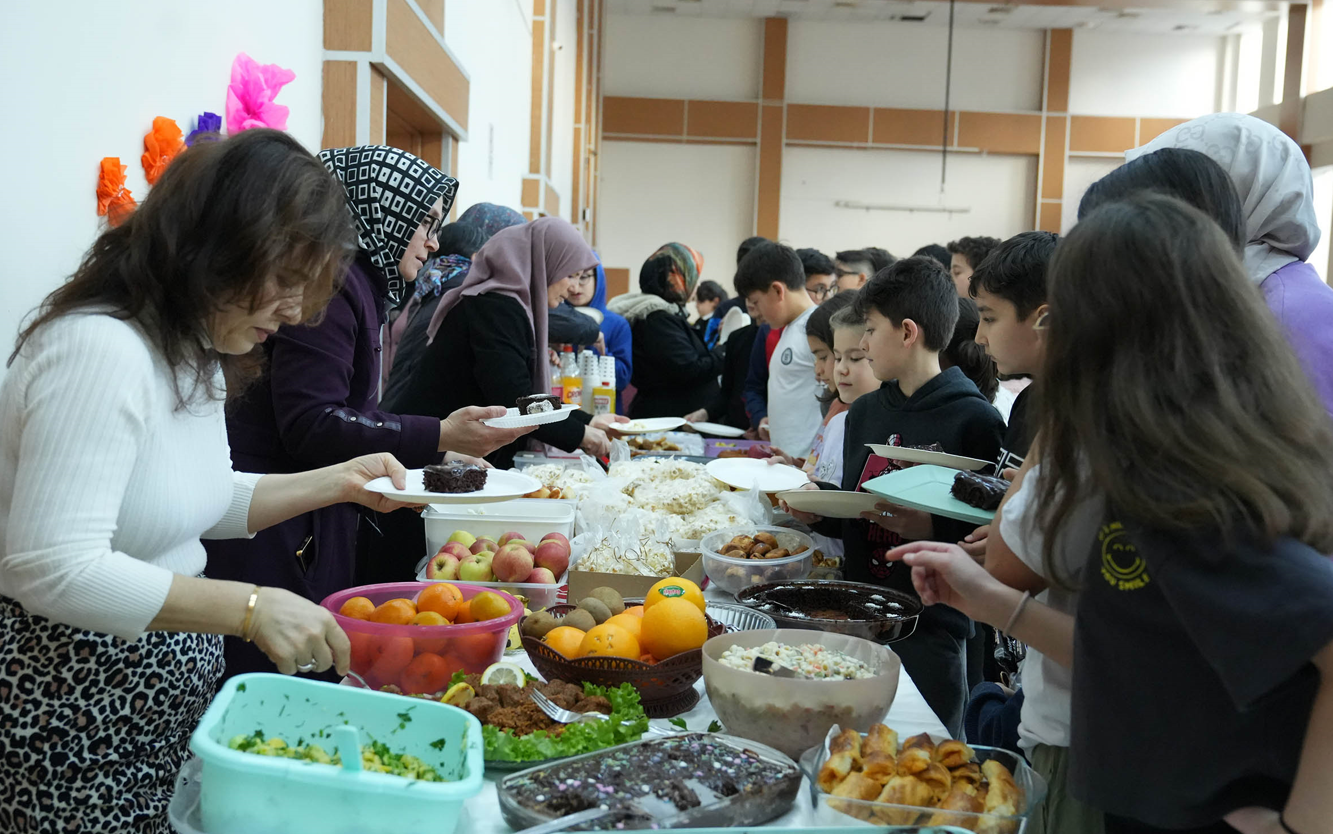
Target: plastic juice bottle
(588, 371)
(570, 380)
(604, 392)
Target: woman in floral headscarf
(674, 372)
(318, 400)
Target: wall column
(1055, 130)
(1289, 111)
(772, 129)
(539, 197)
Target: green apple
(476, 568)
(463, 537)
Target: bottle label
(603, 401)
(573, 391)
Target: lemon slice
(458, 695)
(500, 674)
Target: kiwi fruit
(538, 624)
(611, 598)
(582, 619)
(598, 609)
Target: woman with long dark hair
(115, 464)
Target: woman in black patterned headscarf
(319, 396)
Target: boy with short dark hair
(910, 310)
(966, 254)
(772, 277)
(821, 276)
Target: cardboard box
(581, 582)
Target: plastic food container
(381, 653)
(243, 792)
(533, 517)
(793, 714)
(833, 811)
(735, 575)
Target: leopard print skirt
(93, 728)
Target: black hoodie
(948, 410)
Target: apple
(552, 555)
(476, 567)
(509, 537)
(483, 545)
(443, 565)
(556, 537)
(526, 545)
(464, 538)
(457, 549)
(540, 576)
(513, 563)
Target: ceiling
(1156, 17)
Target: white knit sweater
(105, 487)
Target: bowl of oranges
(413, 636)
(653, 644)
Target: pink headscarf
(521, 262)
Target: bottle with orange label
(571, 381)
(604, 392)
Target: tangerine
(629, 622)
(358, 608)
(441, 598)
(394, 612)
(565, 639)
(674, 587)
(488, 605)
(464, 614)
(389, 657)
(425, 674)
(363, 651)
(610, 641)
(477, 650)
(673, 626)
(636, 610)
(647, 658)
(428, 618)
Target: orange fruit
(673, 626)
(464, 614)
(363, 651)
(425, 674)
(636, 610)
(488, 606)
(673, 587)
(629, 622)
(441, 598)
(647, 658)
(389, 657)
(565, 639)
(428, 618)
(477, 649)
(394, 612)
(609, 640)
(358, 608)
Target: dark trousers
(1121, 825)
(937, 662)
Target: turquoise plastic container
(242, 793)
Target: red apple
(484, 544)
(556, 537)
(512, 564)
(525, 544)
(552, 555)
(443, 565)
(456, 549)
(540, 576)
(509, 537)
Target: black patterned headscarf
(389, 192)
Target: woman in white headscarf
(1277, 192)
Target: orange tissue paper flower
(160, 146)
(114, 200)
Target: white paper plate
(648, 425)
(514, 420)
(830, 503)
(501, 485)
(717, 429)
(928, 457)
(743, 473)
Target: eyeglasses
(823, 290)
(433, 225)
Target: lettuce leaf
(628, 722)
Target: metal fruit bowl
(861, 610)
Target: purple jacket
(1303, 305)
(315, 405)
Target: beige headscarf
(1271, 177)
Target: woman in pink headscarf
(488, 337)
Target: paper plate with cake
(457, 483)
(912, 454)
(536, 410)
(938, 490)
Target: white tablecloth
(909, 715)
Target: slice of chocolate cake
(454, 477)
(981, 491)
(537, 404)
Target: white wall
(997, 188)
(85, 80)
(654, 193)
(703, 58)
(493, 40)
(1080, 173)
(1133, 74)
(903, 64)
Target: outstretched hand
(357, 472)
(944, 574)
(465, 433)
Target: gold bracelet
(249, 614)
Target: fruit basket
(666, 688)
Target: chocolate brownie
(454, 477)
(537, 404)
(981, 491)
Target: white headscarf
(1271, 177)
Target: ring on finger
(307, 667)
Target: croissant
(961, 800)
(1003, 797)
(953, 754)
(969, 773)
(880, 767)
(857, 786)
(913, 760)
(903, 790)
(844, 755)
(880, 739)
(922, 741)
(938, 780)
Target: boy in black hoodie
(910, 309)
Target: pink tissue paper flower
(251, 92)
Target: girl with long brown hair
(1203, 639)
